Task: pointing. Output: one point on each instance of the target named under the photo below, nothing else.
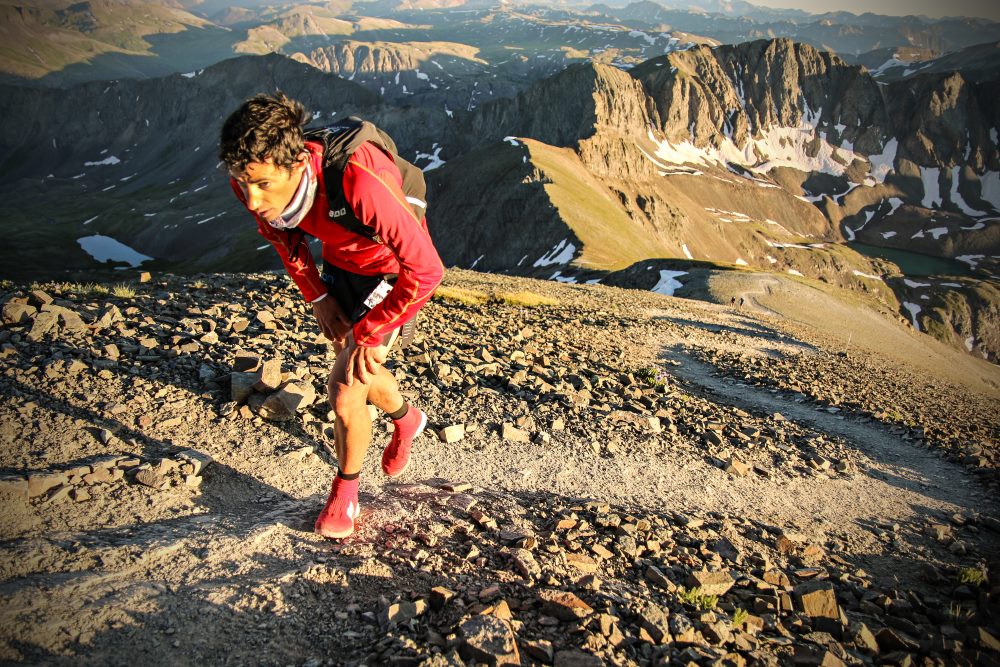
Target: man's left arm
(375, 194)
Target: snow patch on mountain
(971, 260)
(778, 147)
(111, 160)
(887, 65)
(434, 159)
(668, 282)
(990, 187)
(562, 253)
(882, 163)
(914, 310)
(559, 277)
(932, 187)
(641, 35)
(956, 197)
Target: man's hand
(332, 321)
(364, 362)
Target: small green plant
(123, 291)
(199, 284)
(696, 598)
(467, 297)
(82, 289)
(740, 617)
(972, 576)
(65, 288)
(526, 299)
(654, 376)
(959, 615)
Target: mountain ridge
(810, 156)
(80, 42)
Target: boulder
(710, 583)
(490, 640)
(564, 605)
(268, 376)
(15, 313)
(817, 599)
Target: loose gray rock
(575, 658)
(15, 313)
(489, 640)
(656, 621)
(711, 583)
(564, 605)
(514, 434)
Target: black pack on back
(339, 143)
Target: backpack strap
(339, 142)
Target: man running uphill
(345, 186)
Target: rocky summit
(610, 477)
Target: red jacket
(373, 187)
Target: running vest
(339, 142)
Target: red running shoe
(342, 509)
(396, 456)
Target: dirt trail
(764, 286)
(897, 481)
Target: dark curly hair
(265, 126)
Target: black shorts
(351, 290)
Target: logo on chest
(338, 213)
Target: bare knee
(336, 383)
(347, 400)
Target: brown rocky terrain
(611, 477)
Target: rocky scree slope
(559, 510)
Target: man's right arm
(332, 321)
(302, 269)
(298, 261)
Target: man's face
(268, 188)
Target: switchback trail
(897, 480)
